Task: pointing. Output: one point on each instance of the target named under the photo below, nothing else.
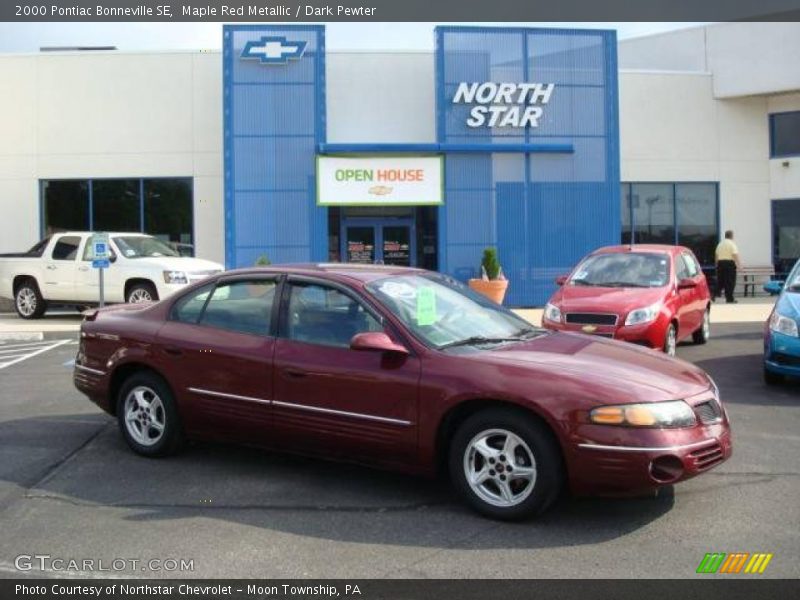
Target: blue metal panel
(545, 210)
(274, 119)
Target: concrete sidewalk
(13, 328)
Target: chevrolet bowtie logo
(274, 50)
(589, 328)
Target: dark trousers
(726, 279)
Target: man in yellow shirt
(727, 258)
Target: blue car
(781, 340)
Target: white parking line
(30, 354)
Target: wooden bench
(752, 279)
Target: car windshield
(793, 281)
(142, 246)
(629, 269)
(442, 312)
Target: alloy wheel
(670, 346)
(500, 467)
(26, 301)
(706, 325)
(145, 418)
(139, 295)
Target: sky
(29, 37)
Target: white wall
(76, 115)
(681, 50)
(380, 97)
(672, 129)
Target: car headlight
(675, 413)
(782, 324)
(643, 315)
(552, 313)
(175, 277)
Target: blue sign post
(100, 259)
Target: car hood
(616, 371)
(575, 298)
(176, 263)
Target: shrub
(490, 263)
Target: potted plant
(492, 283)
(263, 261)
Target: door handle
(294, 373)
(51, 267)
(83, 268)
(173, 351)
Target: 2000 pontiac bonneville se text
(405, 369)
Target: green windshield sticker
(426, 306)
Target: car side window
(188, 308)
(691, 265)
(66, 248)
(244, 306)
(681, 272)
(323, 315)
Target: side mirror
(376, 341)
(773, 288)
(561, 279)
(685, 284)
(112, 258)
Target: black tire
(28, 300)
(152, 386)
(702, 334)
(549, 470)
(670, 346)
(138, 290)
(771, 378)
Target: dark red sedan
(650, 295)
(403, 369)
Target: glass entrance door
(384, 241)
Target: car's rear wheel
(702, 335)
(771, 378)
(147, 415)
(28, 301)
(505, 464)
(141, 292)
(671, 340)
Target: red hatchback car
(404, 369)
(650, 295)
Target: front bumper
(650, 335)
(606, 460)
(782, 353)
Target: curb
(21, 336)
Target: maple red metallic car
(651, 295)
(404, 369)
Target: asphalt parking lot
(70, 488)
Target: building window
(672, 213)
(785, 234)
(160, 207)
(784, 134)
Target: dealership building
(544, 143)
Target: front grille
(708, 412)
(786, 359)
(707, 457)
(591, 318)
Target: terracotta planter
(494, 290)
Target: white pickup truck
(58, 270)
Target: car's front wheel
(141, 292)
(147, 415)
(505, 464)
(28, 301)
(671, 340)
